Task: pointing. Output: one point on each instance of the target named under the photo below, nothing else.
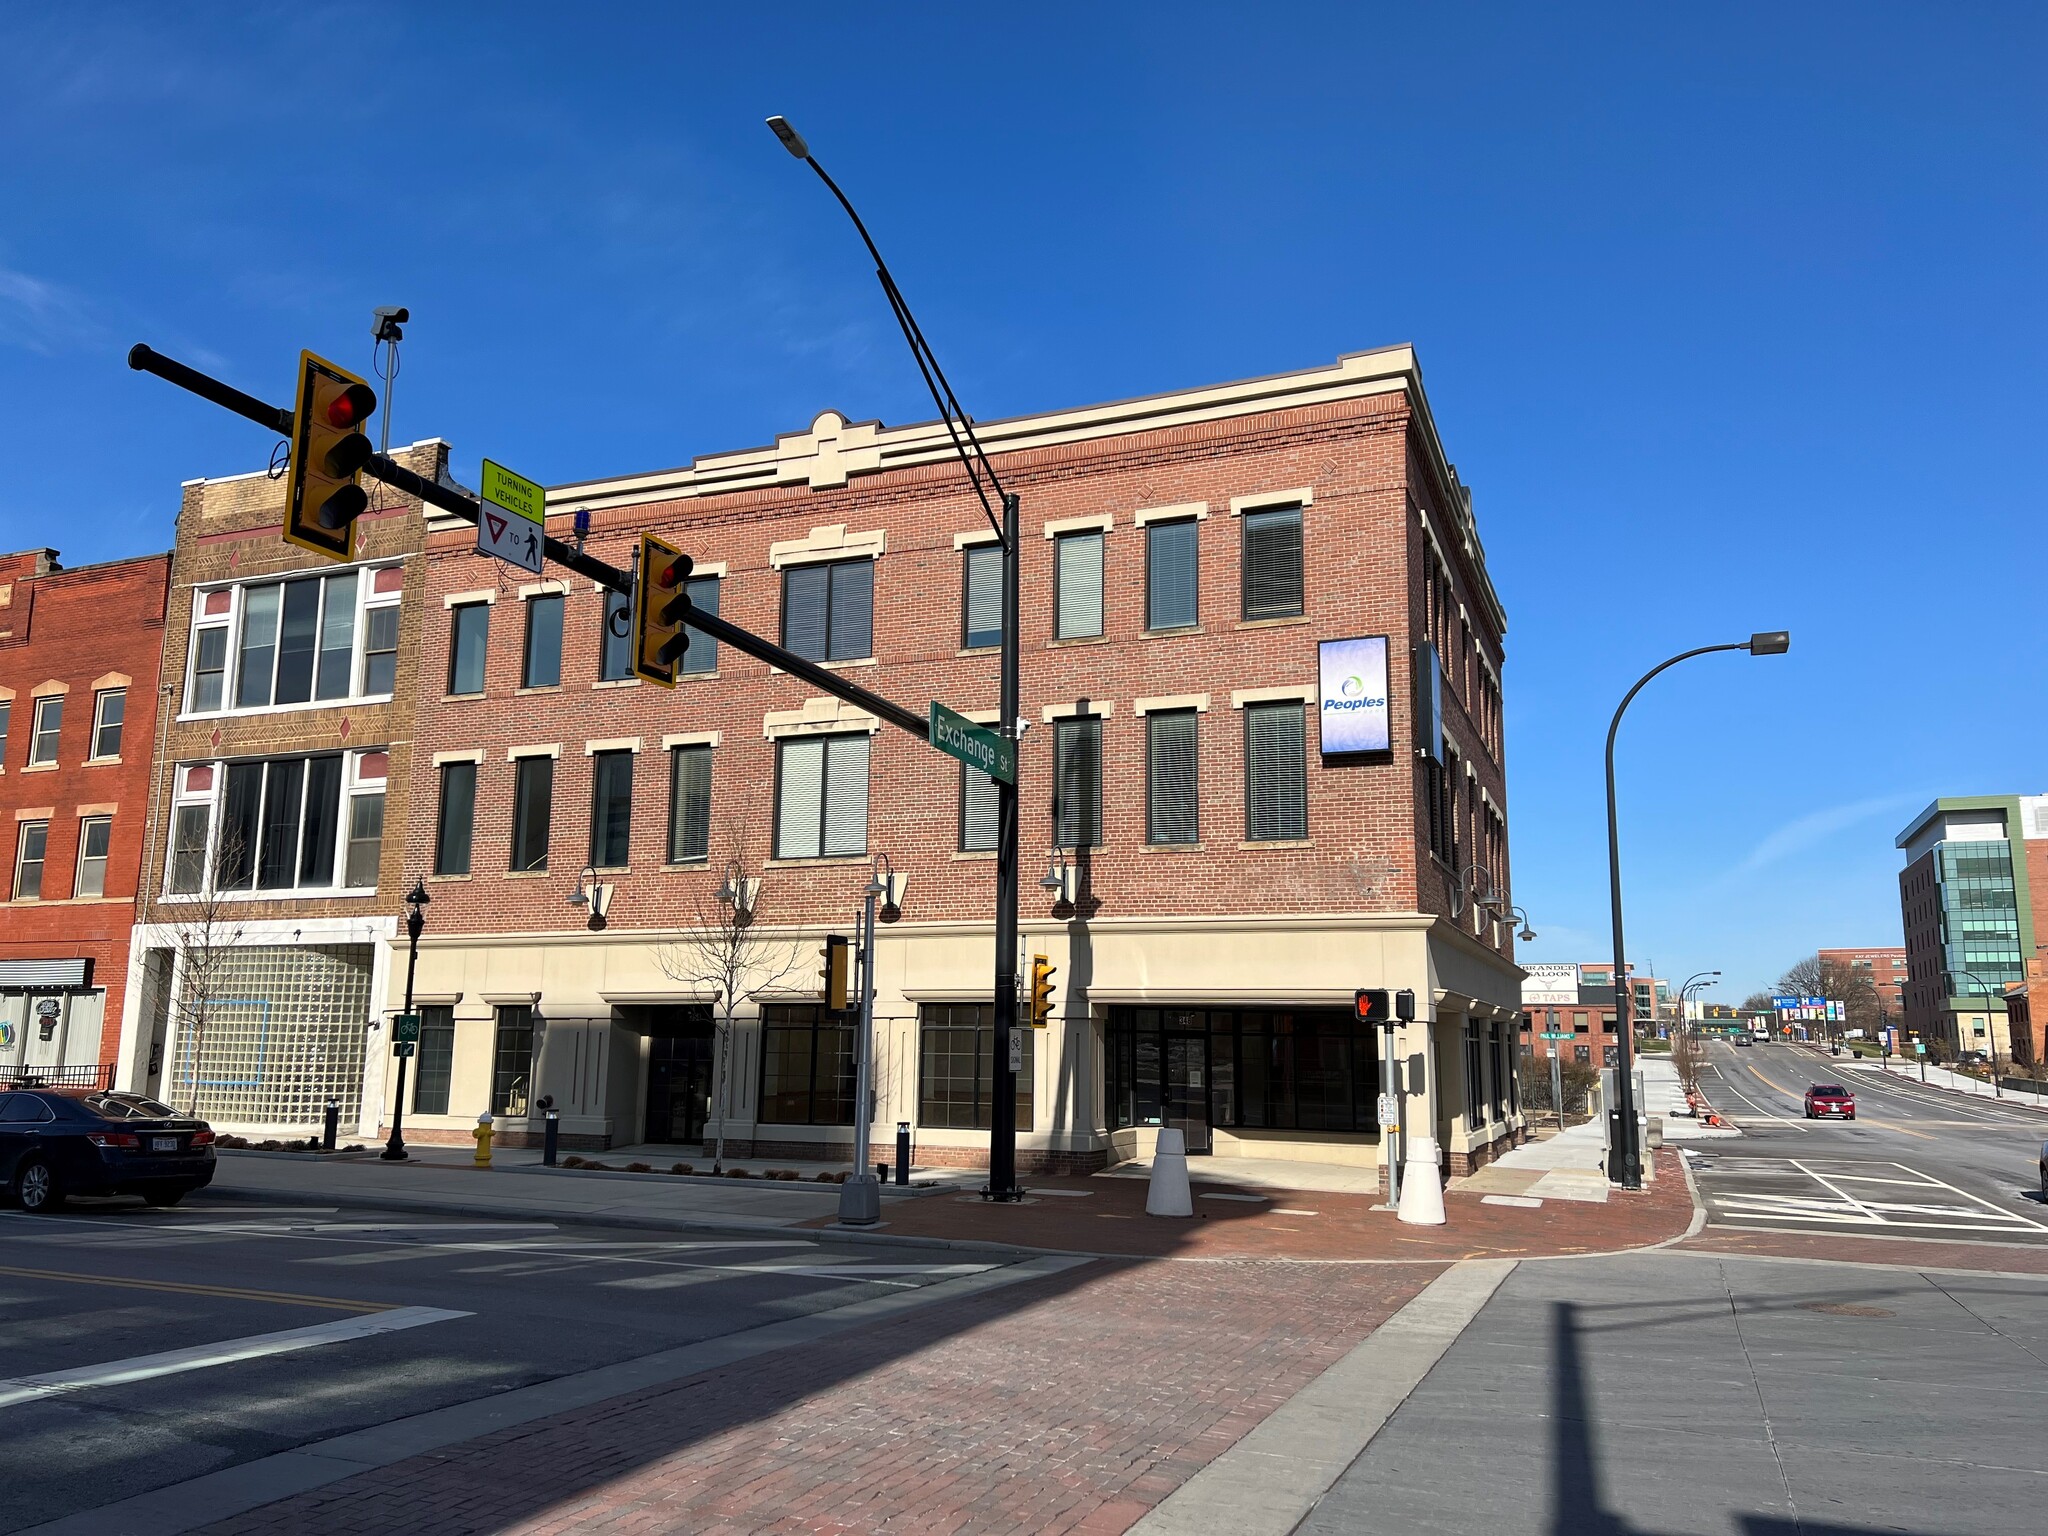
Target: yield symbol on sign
(497, 525)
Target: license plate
(163, 1143)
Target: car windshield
(127, 1106)
(1829, 1091)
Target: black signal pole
(415, 920)
(1002, 1147)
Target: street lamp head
(1527, 935)
(1770, 642)
(417, 896)
(791, 139)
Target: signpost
(405, 1028)
(975, 745)
(1557, 1073)
(511, 522)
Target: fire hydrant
(483, 1134)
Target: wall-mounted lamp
(886, 886)
(1059, 880)
(593, 895)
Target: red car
(1825, 1099)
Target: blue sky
(1732, 316)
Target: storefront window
(436, 1061)
(512, 1061)
(956, 1057)
(1288, 1069)
(806, 1066)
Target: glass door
(1187, 1089)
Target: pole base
(860, 1201)
(394, 1152)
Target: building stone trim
(1081, 709)
(553, 749)
(1198, 510)
(1094, 522)
(1239, 697)
(829, 541)
(691, 739)
(1304, 496)
(465, 755)
(463, 599)
(1199, 702)
(976, 536)
(611, 744)
(824, 716)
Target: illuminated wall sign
(1354, 695)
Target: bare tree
(727, 953)
(1846, 984)
(202, 936)
(1687, 1056)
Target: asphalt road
(141, 1348)
(1916, 1162)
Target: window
(1291, 1069)
(611, 809)
(1170, 574)
(292, 642)
(49, 725)
(6, 712)
(95, 834)
(956, 1066)
(511, 1058)
(702, 655)
(469, 632)
(1077, 782)
(689, 804)
(31, 844)
(978, 820)
(806, 1065)
(542, 667)
(436, 1065)
(108, 706)
(828, 611)
(1475, 1076)
(458, 819)
(981, 596)
(1077, 586)
(1170, 812)
(533, 796)
(1272, 563)
(821, 797)
(1276, 773)
(283, 824)
(380, 650)
(256, 659)
(615, 644)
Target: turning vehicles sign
(511, 518)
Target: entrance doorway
(679, 1061)
(1186, 1106)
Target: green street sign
(405, 1027)
(1556, 1034)
(403, 1048)
(975, 745)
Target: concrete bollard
(1422, 1185)
(1169, 1194)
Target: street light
(860, 1197)
(1629, 1152)
(1990, 1029)
(988, 489)
(416, 901)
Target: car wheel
(165, 1196)
(35, 1187)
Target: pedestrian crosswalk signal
(661, 610)
(837, 972)
(322, 496)
(1373, 1006)
(1041, 990)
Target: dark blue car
(53, 1145)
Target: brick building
(1886, 968)
(1232, 885)
(257, 972)
(1579, 999)
(79, 651)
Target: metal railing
(92, 1075)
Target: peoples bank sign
(1353, 695)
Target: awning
(19, 976)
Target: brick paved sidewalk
(1108, 1216)
(1071, 1404)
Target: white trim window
(821, 797)
(279, 826)
(302, 642)
(95, 836)
(109, 706)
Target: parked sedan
(1825, 1100)
(53, 1145)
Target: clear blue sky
(1732, 317)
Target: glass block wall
(283, 1031)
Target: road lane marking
(230, 1292)
(172, 1362)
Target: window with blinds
(541, 666)
(1272, 563)
(702, 655)
(1077, 782)
(828, 611)
(611, 809)
(1276, 772)
(821, 797)
(977, 810)
(1077, 586)
(458, 817)
(615, 641)
(1170, 574)
(689, 804)
(533, 798)
(1170, 814)
(981, 596)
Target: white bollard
(1169, 1194)
(1422, 1187)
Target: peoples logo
(1351, 694)
(1354, 687)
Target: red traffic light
(352, 407)
(674, 573)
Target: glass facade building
(1980, 918)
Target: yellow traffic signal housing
(837, 972)
(1041, 990)
(322, 496)
(661, 609)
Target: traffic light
(837, 969)
(661, 607)
(322, 498)
(1373, 1006)
(1041, 990)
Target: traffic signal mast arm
(399, 478)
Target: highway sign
(405, 1026)
(510, 521)
(975, 745)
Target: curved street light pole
(1627, 1153)
(1990, 1029)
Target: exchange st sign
(976, 746)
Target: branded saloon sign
(1353, 695)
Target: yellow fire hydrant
(483, 1134)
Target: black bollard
(551, 1136)
(332, 1126)
(903, 1154)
